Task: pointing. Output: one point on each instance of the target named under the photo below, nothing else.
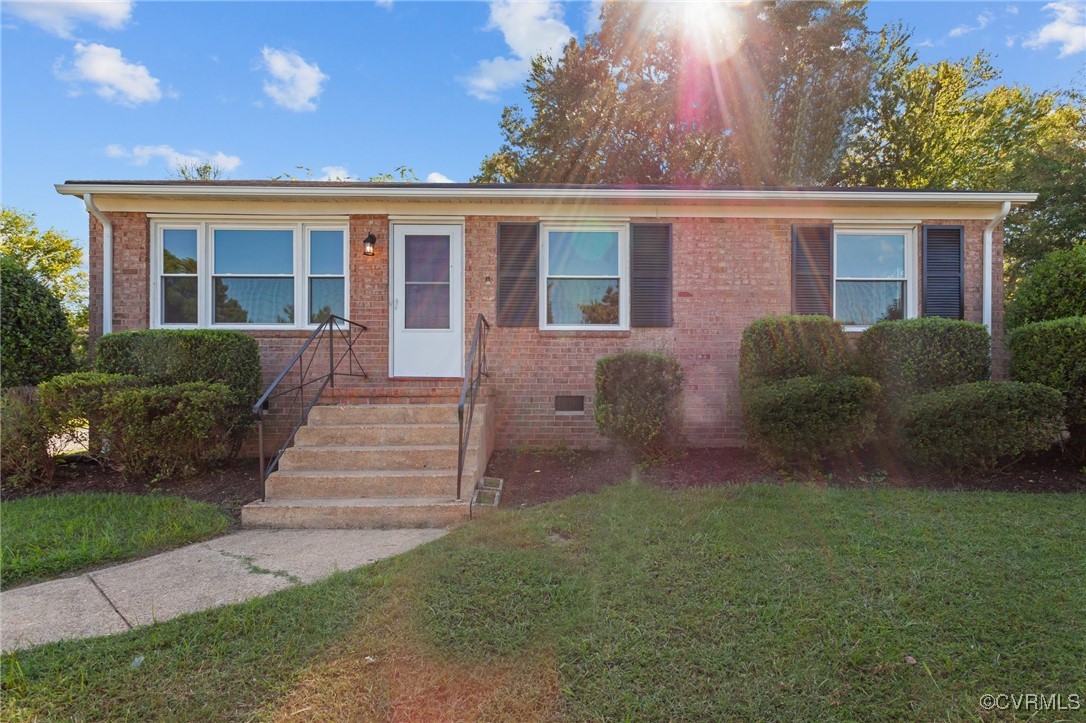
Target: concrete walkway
(225, 570)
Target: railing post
(331, 356)
(460, 454)
(260, 443)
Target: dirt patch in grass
(532, 477)
(230, 487)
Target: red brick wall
(727, 272)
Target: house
(562, 275)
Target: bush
(1053, 289)
(638, 401)
(1053, 353)
(917, 356)
(175, 356)
(784, 347)
(979, 424)
(176, 430)
(72, 402)
(35, 338)
(802, 420)
(24, 441)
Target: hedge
(916, 356)
(802, 420)
(1054, 353)
(24, 446)
(1054, 288)
(783, 347)
(174, 430)
(175, 356)
(35, 337)
(639, 401)
(980, 424)
(72, 402)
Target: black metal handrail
(473, 381)
(301, 404)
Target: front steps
(374, 465)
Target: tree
(53, 256)
(35, 338)
(692, 93)
(950, 125)
(198, 171)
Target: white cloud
(925, 43)
(62, 16)
(436, 177)
(1010, 40)
(1068, 29)
(172, 158)
(336, 173)
(529, 28)
(1012, 9)
(983, 20)
(294, 84)
(383, 3)
(113, 77)
(592, 21)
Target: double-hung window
(874, 275)
(585, 279)
(254, 275)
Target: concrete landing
(204, 575)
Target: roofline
(528, 192)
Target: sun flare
(711, 28)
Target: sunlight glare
(711, 28)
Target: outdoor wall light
(367, 245)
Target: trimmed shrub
(979, 424)
(1053, 353)
(24, 439)
(639, 401)
(802, 420)
(175, 356)
(171, 431)
(917, 356)
(72, 402)
(784, 347)
(1054, 288)
(35, 338)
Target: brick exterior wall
(727, 272)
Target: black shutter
(812, 270)
(944, 271)
(518, 274)
(650, 275)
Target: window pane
(871, 256)
(426, 306)
(179, 251)
(426, 258)
(582, 301)
(254, 252)
(326, 253)
(866, 302)
(325, 298)
(254, 301)
(582, 253)
(179, 299)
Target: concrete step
(355, 513)
(364, 435)
(342, 414)
(336, 457)
(331, 484)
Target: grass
(47, 536)
(755, 602)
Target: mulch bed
(236, 484)
(540, 476)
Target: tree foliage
(199, 171)
(35, 338)
(655, 97)
(53, 256)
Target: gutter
(107, 262)
(987, 294)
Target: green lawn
(756, 602)
(45, 537)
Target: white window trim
(912, 284)
(205, 254)
(623, 231)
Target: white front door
(427, 301)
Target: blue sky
(119, 89)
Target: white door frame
(455, 229)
